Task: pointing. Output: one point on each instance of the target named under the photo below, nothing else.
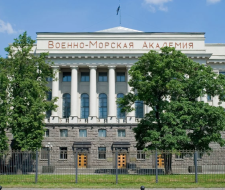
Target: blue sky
(17, 16)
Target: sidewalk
(114, 189)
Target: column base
(92, 119)
(112, 119)
(131, 119)
(73, 119)
(54, 119)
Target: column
(55, 93)
(130, 115)
(74, 99)
(92, 96)
(112, 96)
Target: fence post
(156, 166)
(36, 172)
(196, 166)
(116, 166)
(76, 164)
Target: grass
(109, 181)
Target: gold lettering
(184, 45)
(164, 44)
(145, 45)
(113, 43)
(151, 45)
(106, 44)
(176, 44)
(100, 45)
(157, 46)
(118, 45)
(170, 44)
(82, 45)
(69, 45)
(75, 45)
(191, 45)
(125, 45)
(90, 43)
(57, 45)
(131, 44)
(50, 44)
(63, 45)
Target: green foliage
(171, 83)
(27, 89)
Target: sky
(17, 16)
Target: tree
(171, 85)
(27, 91)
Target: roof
(119, 29)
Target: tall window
(102, 77)
(66, 77)
(102, 106)
(46, 134)
(63, 153)
(101, 152)
(84, 106)
(139, 109)
(49, 98)
(209, 97)
(85, 77)
(66, 105)
(120, 115)
(120, 77)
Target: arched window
(120, 115)
(66, 105)
(84, 106)
(102, 106)
(139, 109)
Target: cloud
(157, 4)
(6, 27)
(213, 1)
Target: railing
(118, 166)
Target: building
(92, 71)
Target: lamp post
(49, 146)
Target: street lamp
(49, 146)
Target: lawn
(102, 181)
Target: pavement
(113, 189)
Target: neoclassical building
(92, 72)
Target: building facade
(92, 72)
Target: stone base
(54, 119)
(111, 119)
(92, 119)
(131, 119)
(73, 119)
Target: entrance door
(160, 161)
(122, 161)
(82, 160)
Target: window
(63, 133)
(102, 106)
(66, 77)
(102, 77)
(101, 133)
(82, 133)
(85, 77)
(46, 133)
(120, 115)
(49, 98)
(121, 133)
(66, 105)
(63, 153)
(44, 153)
(140, 155)
(209, 97)
(102, 153)
(120, 77)
(222, 72)
(49, 79)
(84, 106)
(139, 109)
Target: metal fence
(119, 166)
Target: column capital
(55, 67)
(92, 67)
(111, 67)
(74, 67)
(128, 67)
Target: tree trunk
(168, 163)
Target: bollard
(142, 188)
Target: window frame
(119, 76)
(63, 153)
(119, 114)
(66, 105)
(61, 132)
(80, 133)
(137, 111)
(84, 110)
(102, 153)
(45, 134)
(118, 132)
(86, 77)
(66, 77)
(102, 133)
(103, 106)
(141, 155)
(99, 75)
(44, 152)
